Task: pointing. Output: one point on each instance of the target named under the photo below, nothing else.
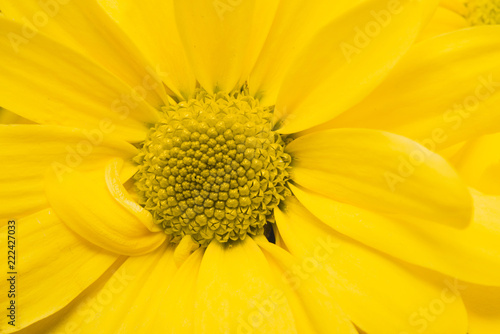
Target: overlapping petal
(142, 22)
(48, 83)
(28, 152)
(380, 294)
(383, 172)
(471, 254)
(478, 163)
(96, 206)
(53, 266)
(446, 90)
(222, 39)
(83, 26)
(347, 59)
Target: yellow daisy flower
(239, 167)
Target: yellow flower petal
(119, 301)
(83, 26)
(48, 83)
(95, 205)
(380, 294)
(295, 24)
(240, 296)
(176, 314)
(347, 60)
(471, 254)
(446, 90)
(142, 22)
(53, 266)
(27, 152)
(382, 172)
(443, 21)
(479, 164)
(315, 303)
(483, 308)
(222, 39)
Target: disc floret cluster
(483, 12)
(212, 168)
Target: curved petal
(83, 26)
(48, 83)
(222, 39)
(95, 205)
(478, 163)
(380, 294)
(152, 26)
(471, 254)
(315, 302)
(27, 152)
(347, 59)
(483, 308)
(444, 91)
(53, 266)
(236, 296)
(383, 172)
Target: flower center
(212, 168)
(483, 12)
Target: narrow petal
(96, 206)
(53, 266)
(478, 163)
(383, 172)
(222, 39)
(471, 254)
(380, 294)
(316, 302)
(236, 296)
(483, 308)
(48, 83)
(27, 152)
(347, 59)
(143, 23)
(84, 26)
(444, 91)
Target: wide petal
(378, 293)
(444, 91)
(27, 152)
(222, 39)
(383, 172)
(152, 26)
(471, 254)
(53, 266)
(48, 83)
(84, 26)
(313, 300)
(96, 206)
(237, 293)
(347, 59)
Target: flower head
(244, 166)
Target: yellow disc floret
(213, 168)
(483, 12)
